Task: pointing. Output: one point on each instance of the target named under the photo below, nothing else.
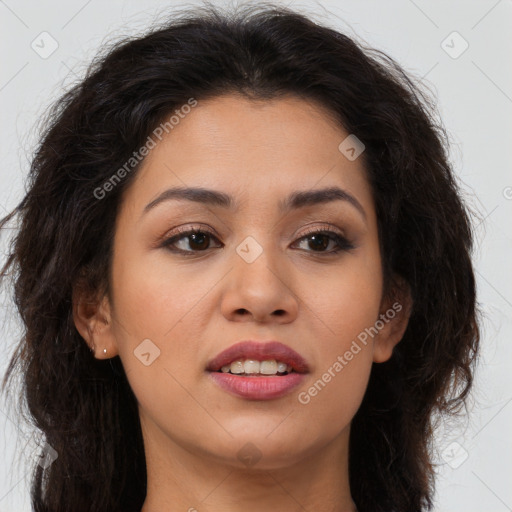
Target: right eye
(198, 240)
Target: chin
(256, 449)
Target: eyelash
(342, 243)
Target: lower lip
(258, 388)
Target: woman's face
(253, 272)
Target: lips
(260, 351)
(251, 387)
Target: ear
(394, 315)
(92, 318)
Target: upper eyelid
(325, 227)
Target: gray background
(474, 91)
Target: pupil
(316, 239)
(199, 238)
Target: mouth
(258, 371)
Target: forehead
(254, 150)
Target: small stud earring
(105, 351)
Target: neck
(179, 480)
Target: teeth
(269, 367)
(281, 367)
(237, 367)
(253, 367)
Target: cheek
(170, 305)
(154, 296)
(345, 299)
(343, 362)
(334, 395)
(166, 308)
(344, 306)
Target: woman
(190, 344)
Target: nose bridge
(256, 263)
(258, 281)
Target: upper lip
(260, 351)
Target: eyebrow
(296, 200)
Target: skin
(193, 307)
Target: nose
(259, 292)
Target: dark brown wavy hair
(84, 406)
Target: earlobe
(394, 318)
(92, 320)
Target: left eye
(321, 240)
